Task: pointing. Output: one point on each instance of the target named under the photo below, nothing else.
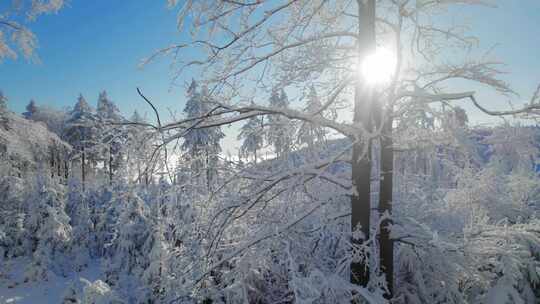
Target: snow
(28, 140)
(124, 225)
(13, 288)
(473, 221)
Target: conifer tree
(12, 216)
(3, 110)
(83, 234)
(81, 133)
(3, 102)
(49, 230)
(202, 146)
(280, 127)
(31, 109)
(111, 135)
(106, 109)
(130, 234)
(310, 134)
(156, 273)
(139, 149)
(251, 134)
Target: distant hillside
(480, 143)
(27, 145)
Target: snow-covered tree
(309, 133)
(15, 36)
(106, 109)
(130, 232)
(3, 101)
(111, 135)
(83, 244)
(252, 136)
(99, 292)
(54, 119)
(513, 147)
(12, 215)
(184, 229)
(48, 231)
(313, 225)
(156, 273)
(280, 128)
(202, 145)
(3, 110)
(139, 148)
(31, 109)
(104, 217)
(331, 44)
(81, 133)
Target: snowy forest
(360, 176)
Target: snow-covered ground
(13, 289)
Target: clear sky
(512, 30)
(94, 45)
(97, 45)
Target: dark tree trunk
(58, 165)
(361, 161)
(110, 166)
(255, 156)
(139, 174)
(66, 170)
(83, 172)
(53, 165)
(385, 205)
(208, 173)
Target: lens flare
(378, 68)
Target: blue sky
(90, 46)
(94, 45)
(512, 29)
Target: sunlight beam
(378, 68)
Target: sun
(378, 67)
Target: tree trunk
(66, 169)
(83, 172)
(361, 161)
(58, 165)
(53, 165)
(207, 160)
(110, 166)
(385, 205)
(138, 172)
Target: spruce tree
(280, 127)
(12, 216)
(31, 110)
(139, 148)
(202, 146)
(106, 109)
(3, 102)
(130, 231)
(252, 136)
(81, 133)
(48, 229)
(310, 134)
(83, 235)
(111, 136)
(3, 111)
